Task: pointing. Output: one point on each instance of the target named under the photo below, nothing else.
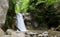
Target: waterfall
(20, 22)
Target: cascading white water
(20, 22)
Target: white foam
(20, 22)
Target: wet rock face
(3, 11)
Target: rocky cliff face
(3, 11)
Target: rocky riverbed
(33, 33)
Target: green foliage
(47, 2)
(44, 12)
(21, 6)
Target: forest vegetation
(46, 13)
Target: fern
(21, 6)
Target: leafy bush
(44, 12)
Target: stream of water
(20, 22)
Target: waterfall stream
(20, 22)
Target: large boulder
(1, 32)
(3, 11)
(6, 36)
(15, 33)
(10, 32)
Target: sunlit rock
(45, 33)
(13, 33)
(40, 35)
(1, 32)
(3, 11)
(10, 32)
(6, 36)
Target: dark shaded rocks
(58, 28)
